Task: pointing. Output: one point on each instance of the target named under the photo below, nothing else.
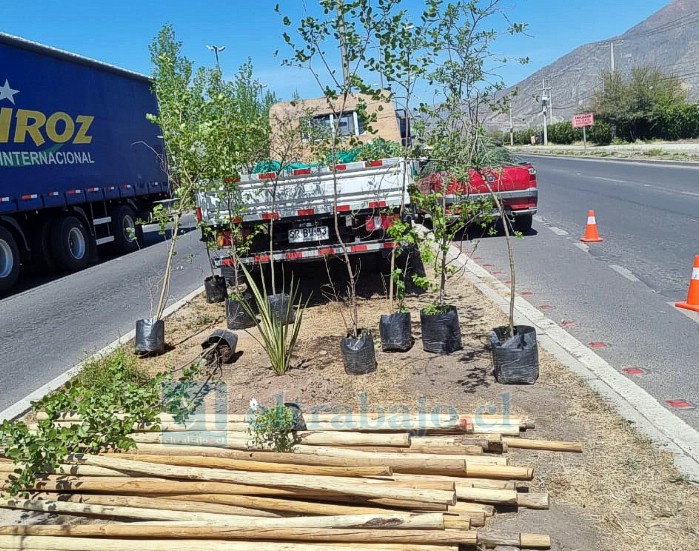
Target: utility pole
(512, 129)
(216, 50)
(544, 109)
(343, 45)
(611, 53)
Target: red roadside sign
(582, 120)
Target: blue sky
(120, 32)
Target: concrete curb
(631, 402)
(19, 408)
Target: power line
(674, 24)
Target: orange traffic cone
(591, 235)
(692, 302)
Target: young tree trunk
(165, 287)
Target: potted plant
(514, 349)
(451, 129)
(277, 334)
(395, 328)
(191, 119)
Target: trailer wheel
(9, 260)
(127, 233)
(70, 244)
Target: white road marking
(583, 246)
(691, 314)
(538, 218)
(558, 231)
(624, 273)
(610, 180)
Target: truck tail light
(199, 215)
(380, 221)
(223, 239)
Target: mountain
(668, 39)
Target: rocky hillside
(668, 39)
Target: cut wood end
(535, 541)
(533, 500)
(460, 523)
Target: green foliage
(278, 334)
(98, 373)
(435, 309)
(211, 129)
(644, 105)
(406, 238)
(273, 428)
(107, 386)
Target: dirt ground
(621, 494)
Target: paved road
(619, 292)
(51, 326)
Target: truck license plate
(303, 235)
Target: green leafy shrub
(110, 395)
(273, 428)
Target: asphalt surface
(51, 325)
(619, 292)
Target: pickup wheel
(9, 260)
(70, 244)
(127, 233)
(524, 223)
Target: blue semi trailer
(79, 162)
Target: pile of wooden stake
(359, 482)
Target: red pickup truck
(514, 182)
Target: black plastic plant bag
(150, 336)
(441, 333)
(236, 316)
(515, 359)
(281, 308)
(395, 332)
(358, 354)
(215, 287)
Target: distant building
(362, 120)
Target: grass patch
(98, 373)
(201, 320)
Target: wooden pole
(452, 466)
(65, 469)
(505, 472)
(434, 521)
(351, 486)
(168, 531)
(546, 445)
(436, 450)
(156, 486)
(286, 506)
(38, 543)
(389, 457)
(462, 482)
(167, 504)
(523, 541)
(242, 441)
(218, 491)
(257, 466)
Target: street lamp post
(216, 50)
